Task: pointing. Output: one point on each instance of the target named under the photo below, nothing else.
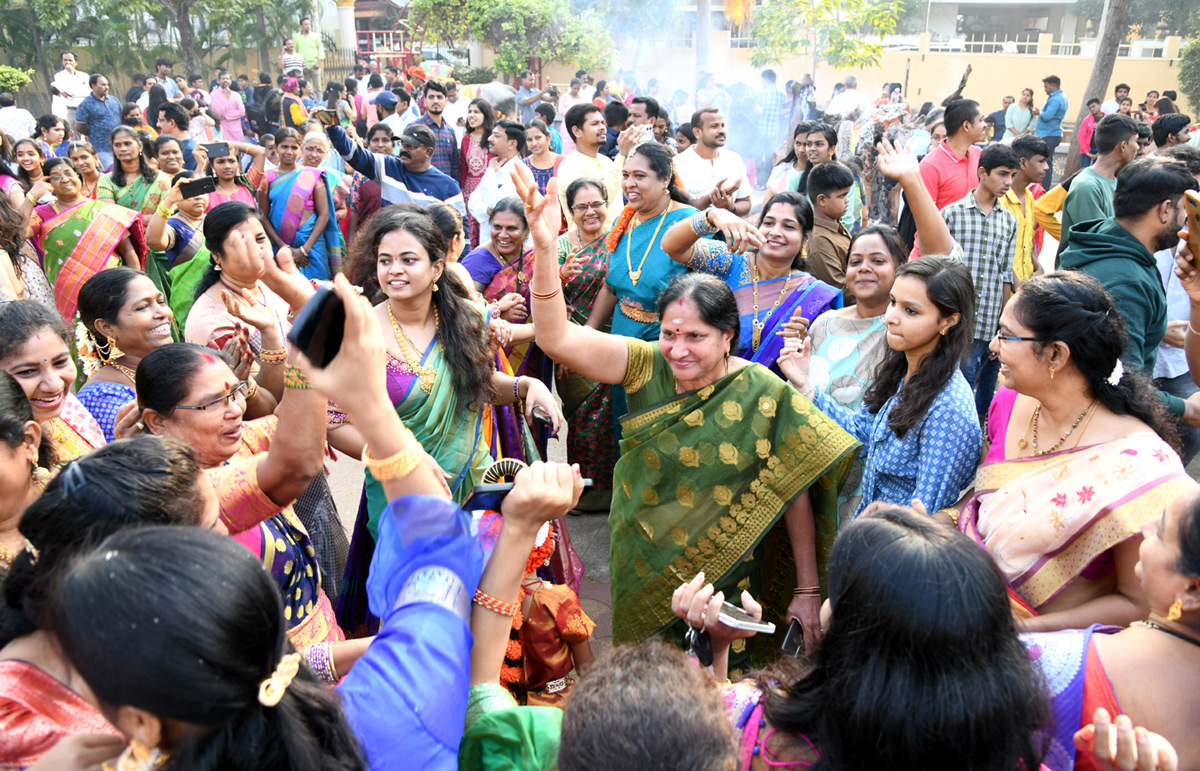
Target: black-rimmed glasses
(239, 392)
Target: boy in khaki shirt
(829, 190)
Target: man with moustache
(585, 125)
(445, 152)
(407, 178)
(711, 174)
(1148, 213)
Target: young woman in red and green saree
(688, 495)
(440, 376)
(1078, 464)
(78, 237)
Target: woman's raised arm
(591, 353)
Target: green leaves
(13, 79)
(837, 31)
(1189, 72)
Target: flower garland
(618, 229)
(513, 668)
(89, 354)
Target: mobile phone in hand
(216, 149)
(319, 326)
(793, 641)
(199, 186)
(1191, 200)
(732, 615)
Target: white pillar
(347, 39)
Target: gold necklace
(425, 375)
(756, 335)
(7, 555)
(126, 371)
(634, 275)
(1037, 411)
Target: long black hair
(145, 480)
(12, 233)
(663, 165)
(461, 331)
(1073, 308)
(145, 170)
(1189, 539)
(207, 628)
(804, 213)
(950, 289)
(221, 219)
(921, 666)
(803, 127)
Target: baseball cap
(416, 134)
(385, 98)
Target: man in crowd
(768, 108)
(309, 46)
(1148, 213)
(996, 119)
(445, 152)
(616, 118)
(850, 104)
(712, 174)
(291, 62)
(70, 87)
(391, 74)
(527, 97)
(162, 74)
(585, 125)
(173, 121)
(97, 115)
(1049, 122)
(228, 106)
(15, 121)
(197, 92)
(1091, 193)
(409, 178)
(586, 90)
(362, 74)
(1170, 130)
(1085, 134)
(951, 170)
(386, 103)
(455, 111)
(137, 89)
(1027, 188)
(1113, 105)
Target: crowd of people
(817, 361)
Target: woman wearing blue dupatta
(773, 293)
(300, 207)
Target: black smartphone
(318, 328)
(489, 497)
(216, 149)
(200, 186)
(793, 641)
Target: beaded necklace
(425, 375)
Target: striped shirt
(988, 242)
(445, 152)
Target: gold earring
(1176, 611)
(435, 286)
(113, 351)
(1052, 373)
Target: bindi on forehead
(208, 358)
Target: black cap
(417, 134)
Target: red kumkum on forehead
(208, 358)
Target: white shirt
(495, 185)
(72, 89)
(452, 112)
(17, 122)
(1111, 106)
(847, 102)
(700, 176)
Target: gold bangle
(1192, 329)
(294, 378)
(163, 211)
(251, 389)
(273, 357)
(484, 600)
(547, 295)
(399, 465)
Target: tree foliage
(1189, 73)
(835, 31)
(1178, 17)
(14, 79)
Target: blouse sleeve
(243, 503)
(712, 256)
(640, 366)
(950, 442)
(573, 624)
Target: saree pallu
(188, 259)
(703, 477)
(809, 295)
(74, 433)
(293, 215)
(588, 405)
(144, 197)
(1044, 519)
(78, 243)
(36, 711)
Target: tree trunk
(703, 34)
(43, 67)
(180, 10)
(1112, 32)
(264, 52)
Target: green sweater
(1110, 254)
(1090, 198)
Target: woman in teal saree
(301, 211)
(440, 377)
(716, 451)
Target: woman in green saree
(440, 374)
(715, 451)
(134, 184)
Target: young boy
(987, 233)
(1027, 188)
(829, 186)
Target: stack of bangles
(496, 606)
(548, 295)
(320, 660)
(399, 465)
(272, 357)
(807, 591)
(294, 378)
(164, 211)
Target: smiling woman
(33, 349)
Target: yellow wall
(930, 76)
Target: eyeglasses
(581, 208)
(238, 393)
(1014, 338)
